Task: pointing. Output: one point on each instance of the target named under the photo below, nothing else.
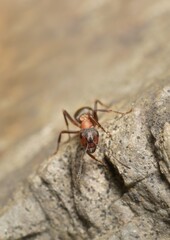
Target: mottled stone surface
(23, 217)
(161, 131)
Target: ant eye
(96, 134)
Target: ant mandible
(86, 119)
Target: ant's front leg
(66, 117)
(96, 123)
(59, 137)
(94, 158)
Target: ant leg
(59, 137)
(102, 104)
(95, 122)
(66, 117)
(110, 110)
(94, 158)
(106, 110)
(100, 110)
(95, 108)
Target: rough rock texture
(73, 197)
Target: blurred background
(58, 55)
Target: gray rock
(161, 131)
(23, 217)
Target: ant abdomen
(82, 111)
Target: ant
(86, 119)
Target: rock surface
(73, 197)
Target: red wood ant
(86, 119)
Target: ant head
(89, 139)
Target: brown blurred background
(65, 54)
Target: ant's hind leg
(110, 110)
(96, 109)
(106, 110)
(99, 102)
